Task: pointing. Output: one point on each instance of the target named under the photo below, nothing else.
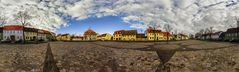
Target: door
(12, 37)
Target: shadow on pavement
(49, 63)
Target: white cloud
(43, 16)
(183, 15)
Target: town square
(119, 36)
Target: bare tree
(168, 28)
(237, 29)
(154, 25)
(201, 32)
(210, 32)
(2, 20)
(23, 17)
(206, 31)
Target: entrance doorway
(12, 37)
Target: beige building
(104, 37)
(76, 38)
(63, 37)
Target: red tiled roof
(13, 27)
(126, 32)
(27, 29)
(118, 32)
(30, 29)
(103, 35)
(233, 30)
(166, 34)
(129, 32)
(151, 30)
(90, 32)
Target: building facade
(104, 37)
(15, 33)
(51, 36)
(118, 35)
(90, 35)
(232, 34)
(125, 35)
(153, 34)
(64, 37)
(141, 37)
(30, 34)
(76, 38)
(216, 35)
(12, 33)
(167, 36)
(129, 35)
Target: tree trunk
(167, 38)
(37, 37)
(23, 34)
(210, 36)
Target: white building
(42, 35)
(216, 35)
(12, 33)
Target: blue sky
(107, 24)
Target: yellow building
(129, 35)
(153, 34)
(104, 37)
(157, 35)
(30, 34)
(64, 37)
(167, 35)
(118, 35)
(141, 37)
(180, 37)
(126, 35)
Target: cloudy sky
(73, 16)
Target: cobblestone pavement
(179, 56)
(145, 57)
(22, 58)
